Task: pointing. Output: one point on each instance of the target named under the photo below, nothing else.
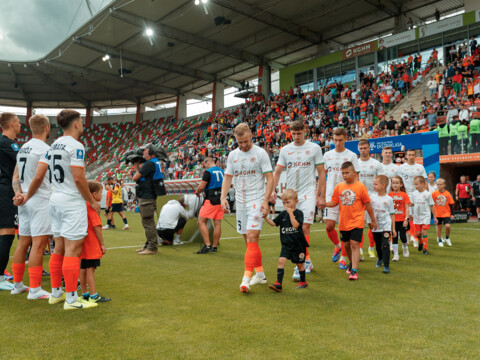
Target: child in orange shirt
(352, 198)
(93, 249)
(444, 209)
(401, 203)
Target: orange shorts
(420, 227)
(209, 211)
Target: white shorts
(307, 206)
(331, 213)
(250, 219)
(34, 217)
(68, 217)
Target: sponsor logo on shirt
(244, 172)
(289, 230)
(79, 154)
(15, 147)
(298, 164)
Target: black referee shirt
(8, 160)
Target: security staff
(149, 179)
(8, 212)
(443, 136)
(475, 134)
(212, 209)
(453, 126)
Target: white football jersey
(64, 153)
(32, 153)
(333, 162)
(421, 207)
(390, 170)
(408, 173)
(248, 170)
(367, 172)
(383, 209)
(300, 164)
(431, 188)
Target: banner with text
(440, 26)
(358, 50)
(396, 39)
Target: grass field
(179, 305)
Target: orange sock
(35, 274)
(55, 266)
(371, 240)
(333, 236)
(71, 270)
(259, 269)
(18, 270)
(307, 254)
(344, 252)
(251, 256)
(425, 242)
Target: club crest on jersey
(15, 147)
(347, 197)
(441, 200)
(79, 154)
(307, 152)
(253, 159)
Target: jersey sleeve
(206, 176)
(93, 218)
(364, 194)
(229, 168)
(450, 199)
(355, 163)
(406, 199)
(424, 173)
(430, 200)
(335, 196)
(265, 163)
(11, 150)
(281, 158)
(380, 169)
(391, 207)
(278, 218)
(299, 217)
(44, 158)
(77, 156)
(318, 156)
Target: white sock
(371, 248)
(395, 249)
(34, 290)
(72, 297)
(260, 275)
(246, 279)
(57, 292)
(18, 285)
(343, 258)
(177, 237)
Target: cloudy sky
(30, 29)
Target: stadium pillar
(181, 108)
(29, 114)
(264, 80)
(218, 97)
(88, 116)
(140, 111)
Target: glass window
(364, 60)
(408, 48)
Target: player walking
(368, 168)
(300, 159)
(32, 193)
(249, 167)
(68, 210)
(408, 171)
(333, 162)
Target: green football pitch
(180, 305)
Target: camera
(136, 156)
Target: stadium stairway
(415, 96)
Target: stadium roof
(194, 45)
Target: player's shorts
(420, 227)
(8, 211)
(68, 217)
(34, 217)
(250, 219)
(117, 207)
(444, 220)
(464, 203)
(295, 255)
(89, 263)
(331, 213)
(477, 201)
(209, 211)
(354, 234)
(307, 206)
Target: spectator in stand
(432, 86)
(437, 15)
(432, 119)
(463, 113)
(473, 45)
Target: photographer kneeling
(149, 179)
(171, 221)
